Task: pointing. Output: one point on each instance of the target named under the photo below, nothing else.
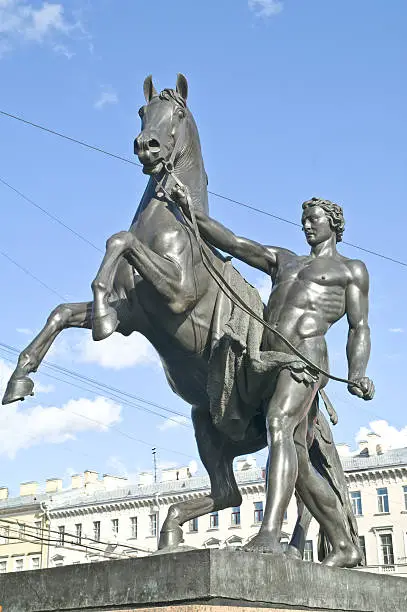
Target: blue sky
(292, 99)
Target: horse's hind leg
(62, 317)
(217, 457)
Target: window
(235, 518)
(285, 516)
(405, 497)
(78, 533)
(308, 551)
(383, 500)
(96, 531)
(193, 525)
(115, 526)
(153, 525)
(356, 498)
(258, 512)
(214, 520)
(19, 565)
(3, 566)
(38, 529)
(362, 546)
(386, 544)
(35, 563)
(21, 531)
(5, 532)
(133, 522)
(61, 535)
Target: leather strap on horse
(220, 281)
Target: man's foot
(265, 543)
(345, 557)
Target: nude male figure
(310, 293)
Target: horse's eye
(180, 113)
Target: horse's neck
(189, 169)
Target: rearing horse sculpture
(152, 280)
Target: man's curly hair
(334, 213)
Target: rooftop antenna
(154, 452)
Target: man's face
(315, 225)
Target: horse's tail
(325, 459)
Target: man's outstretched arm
(251, 252)
(358, 346)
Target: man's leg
(324, 504)
(287, 408)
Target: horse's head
(162, 121)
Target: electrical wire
(213, 193)
(113, 427)
(72, 535)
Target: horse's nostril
(153, 145)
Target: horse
(152, 280)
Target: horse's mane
(171, 94)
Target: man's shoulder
(357, 269)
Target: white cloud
(265, 8)
(20, 429)
(117, 351)
(107, 96)
(263, 286)
(21, 21)
(24, 330)
(391, 437)
(396, 330)
(171, 423)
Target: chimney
(113, 482)
(3, 493)
(77, 481)
(28, 488)
(52, 485)
(90, 477)
(363, 447)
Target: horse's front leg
(62, 317)
(171, 275)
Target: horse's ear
(149, 89)
(182, 86)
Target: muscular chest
(325, 272)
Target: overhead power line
(99, 385)
(213, 193)
(31, 275)
(52, 216)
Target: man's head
(321, 219)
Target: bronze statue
(159, 279)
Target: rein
(216, 275)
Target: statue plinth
(202, 581)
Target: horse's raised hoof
(171, 539)
(18, 388)
(105, 325)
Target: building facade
(109, 518)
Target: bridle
(161, 187)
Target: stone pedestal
(202, 581)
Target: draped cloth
(241, 375)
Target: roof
(78, 497)
(391, 458)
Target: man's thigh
(291, 400)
